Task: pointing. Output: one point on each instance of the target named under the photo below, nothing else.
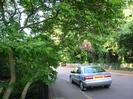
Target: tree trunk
(13, 75)
(23, 95)
(43, 90)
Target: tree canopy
(35, 35)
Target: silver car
(90, 76)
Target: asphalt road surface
(121, 88)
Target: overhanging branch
(30, 25)
(2, 11)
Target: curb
(51, 94)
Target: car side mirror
(72, 71)
(78, 71)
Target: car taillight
(107, 76)
(88, 77)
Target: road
(121, 88)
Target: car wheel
(82, 87)
(107, 86)
(71, 81)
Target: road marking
(88, 97)
(59, 98)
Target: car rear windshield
(93, 70)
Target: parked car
(90, 76)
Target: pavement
(121, 72)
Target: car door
(73, 74)
(78, 75)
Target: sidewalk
(53, 93)
(121, 72)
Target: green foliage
(4, 68)
(93, 20)
(37, 53)
(36, 57)
(125, 41)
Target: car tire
(82, 87)
(71, 81)
(107, 86)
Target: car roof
(83, 66)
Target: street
(121, 88)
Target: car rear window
(93, 70)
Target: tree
(125, 40)
(93, 20)
(33, 54)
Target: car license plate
(98, 77)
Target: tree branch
(13, 75)
(2, 10)
(10, 15)
(14, 3)
(32, 11)
(28, 16)
(28, 26)
(25, 90)
(28, 84)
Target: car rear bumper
(100, 82)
